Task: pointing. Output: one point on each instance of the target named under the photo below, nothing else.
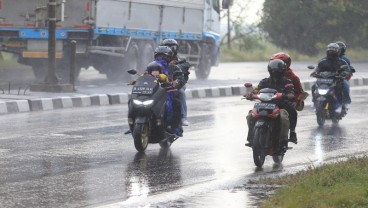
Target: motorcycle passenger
(332, 63)
(155, 69)
(184, 66)
(164, 55)
(277, 69)
(346, 86)
(299, 93)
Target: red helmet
(282, 56)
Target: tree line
(307, 26)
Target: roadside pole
(51, 82)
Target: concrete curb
(42, 104)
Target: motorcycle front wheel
(259, 154)
(321, 115)
(140, 136)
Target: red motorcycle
(266, 131)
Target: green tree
(308, 25)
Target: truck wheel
(40, 70)
(118, 67)
(205, 64)
(146, 56)
(63, 71)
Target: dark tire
(278, 158)
(205, 63)
(259, 155)
(321, 115)
(335, 119)
(146, 51)
(165, 144)
(40, 70)
(140, 136)
(63, 71)
(118, 67)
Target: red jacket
(296, 82)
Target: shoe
(170, 130)
(179, 132)
(347, 106)
(184, 122)
(338, 109)
(293, 137)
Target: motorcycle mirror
(248, 84)
(310, 67)
(132, 71)
(289, 86)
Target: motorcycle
(146, 112)
(325, 98)
(266, 131)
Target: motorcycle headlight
(322, 91)
(144, 103)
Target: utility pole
(51, 83)
(51, 77)
(228, 29)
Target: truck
(112, 36)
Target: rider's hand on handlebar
(174, 83)
(248, 96)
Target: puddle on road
(249, 196)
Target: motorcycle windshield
(145, 85)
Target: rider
(346, 86)
(331, 63)
(299, 93)
(184, 66)
(164, 55)
(155, 69)
(277, 69)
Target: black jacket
(279, 86)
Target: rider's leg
(285, 126)
(346, 93)
(183, 107)
(293, 117)
(250, 122)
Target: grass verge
(339, 185)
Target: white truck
(112, 35)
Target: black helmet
(342, 46)
(276, 68)
(333, 50)
(163, 53)
(154, 66)
(173, 44)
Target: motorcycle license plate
(324, 81)
(142, 90)
(265, 106)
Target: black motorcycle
(325, 97)
(146, 116)
(266, 132)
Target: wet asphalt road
(80, 157)
(226, 74)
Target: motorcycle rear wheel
(140, 136)
(259, 154)
(278, 158)
(166, 144)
